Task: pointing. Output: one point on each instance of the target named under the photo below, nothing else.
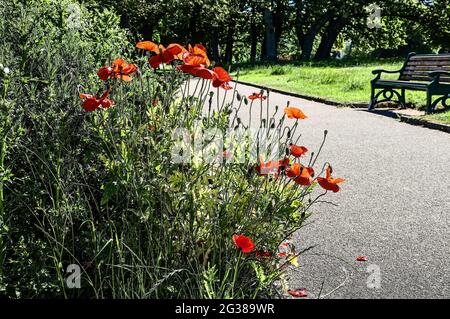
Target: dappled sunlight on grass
(439, 117)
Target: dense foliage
(249, 30)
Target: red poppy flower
(298, 293)
(185, 68)
(222, 78)
(294, 113)
(329, 183)
(149, 46)
(91, 103)
(119, 69)
(198, 71)
(122, 70)
(196, 56)
(157, 49)
(263, 253)
(361, 258)
(204, 73)
(305, 177)
(255, 96)
(163, 55)
(105, 73)
(244, 243)
(298, 151)
(293, 170)
(302, 174)
(272, 167)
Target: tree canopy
(251, 30)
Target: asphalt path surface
(394, 207)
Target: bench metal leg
(386, 94)
(403, 99)
(372, 99)
(429, 105)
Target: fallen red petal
(361, 258)
(298, 293)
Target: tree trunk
(229, 44)
(306, 38)
(269, 38)
(307, 42)
(193, 21)
(263, 55)
(278, 20)
(215, 45)
(329, 37)
(253, 37)
(147, 32)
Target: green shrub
(50, 50)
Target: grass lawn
(440, 117)
(346, 81)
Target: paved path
(394, 207)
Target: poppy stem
(267, 108)
(2, 160)
(236, 267)
(320, 148)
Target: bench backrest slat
(417, 67)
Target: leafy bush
(50, 48)
(98, 186)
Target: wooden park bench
(420, 72)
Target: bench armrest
(437, 74)
(379, 71)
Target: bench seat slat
(414, 75)
(439, 57)
(425, 68)
(425, 78)
(418, 72)
(428, 63)
(402, 84)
